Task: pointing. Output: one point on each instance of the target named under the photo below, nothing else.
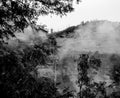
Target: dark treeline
(15, 67)
(16, 80)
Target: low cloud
(102, 36)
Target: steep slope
(99, 38)
(102, 36)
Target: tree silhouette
(83, 79)
(115, 74)
(115, 77)
(88, 89)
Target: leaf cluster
(18, 14)
(15, 72)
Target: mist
(102, 36)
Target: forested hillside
(81, 61)
(99, 40)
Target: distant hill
(99, 38)
(65, 33)
(102, 36)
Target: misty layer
(97, 38)
(102, 36)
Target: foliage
(11, 73)
(115, 74)
(41, 53)
(16, 80)
(15, 77)
(18, 14)
(88, 89)
(115, 77)
(115, 95)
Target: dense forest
(23, 63)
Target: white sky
(85, 11)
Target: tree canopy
(15, 15)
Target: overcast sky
(85, 11)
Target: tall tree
(86, 88)
(115, 77)
(115, 74)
